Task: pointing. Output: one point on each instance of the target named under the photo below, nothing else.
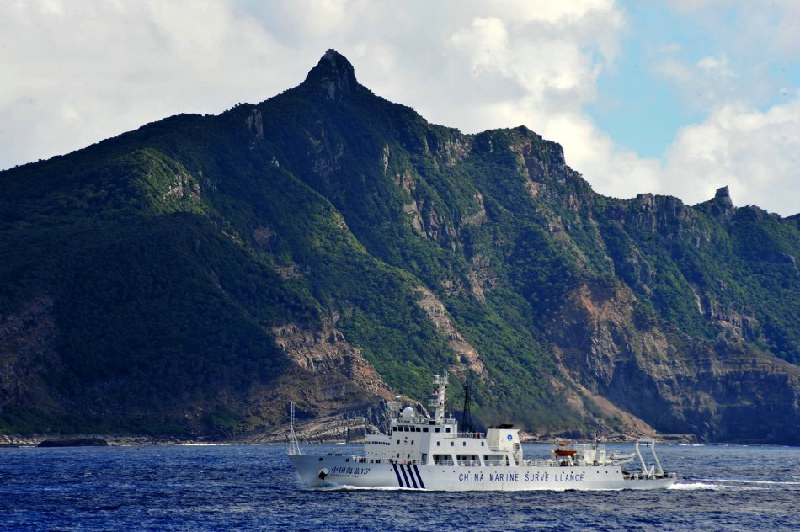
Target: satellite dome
(408, 413)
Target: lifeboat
(563, 450)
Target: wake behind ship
(422, 452)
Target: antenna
(466, 415)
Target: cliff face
(719, 391)
(334, 249)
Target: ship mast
(466, 414)
(438, 401)
(294, 447)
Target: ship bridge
(435, 440)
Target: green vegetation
(171, 251)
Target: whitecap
(747, 481)
(694, 486)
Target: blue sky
(638, 110)
(643, 110)
(672, 97)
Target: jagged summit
(723, 196)
(334, 75)
(720, 206)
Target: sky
(675, 97)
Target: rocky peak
(723, 198)
(720, 206)
(334, 75)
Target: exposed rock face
(213, 253)
(468, 356)
(334, 75)
(327, 352)
(543, 162)
(723, 197)
(255, 123)
(27, 350)
(338, 393)
(480, 216)
(672, 380)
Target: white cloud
(759, 28)
(75, 72)
(706, 82)
(754, 152)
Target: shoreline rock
(74, 442)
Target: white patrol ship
(424, 453)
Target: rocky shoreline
(305, 437)
(35, 440)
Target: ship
(423, 452)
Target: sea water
(228, 487)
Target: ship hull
(339, 471)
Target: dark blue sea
(227, 487)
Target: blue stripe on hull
(399, 481)
(403, 471)
(411, 474)
(421, 484)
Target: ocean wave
(694, 486)
(361, 488)
(747, 481)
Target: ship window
(481, 444)
(425, 429)
(417, 430)
(438, 443)
(398, 442)
(494, 460)
(412, 442)
(452, 444)
(465, 444)
(447, 429)
(437, 429)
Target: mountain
(330, 247)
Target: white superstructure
(422, 452)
